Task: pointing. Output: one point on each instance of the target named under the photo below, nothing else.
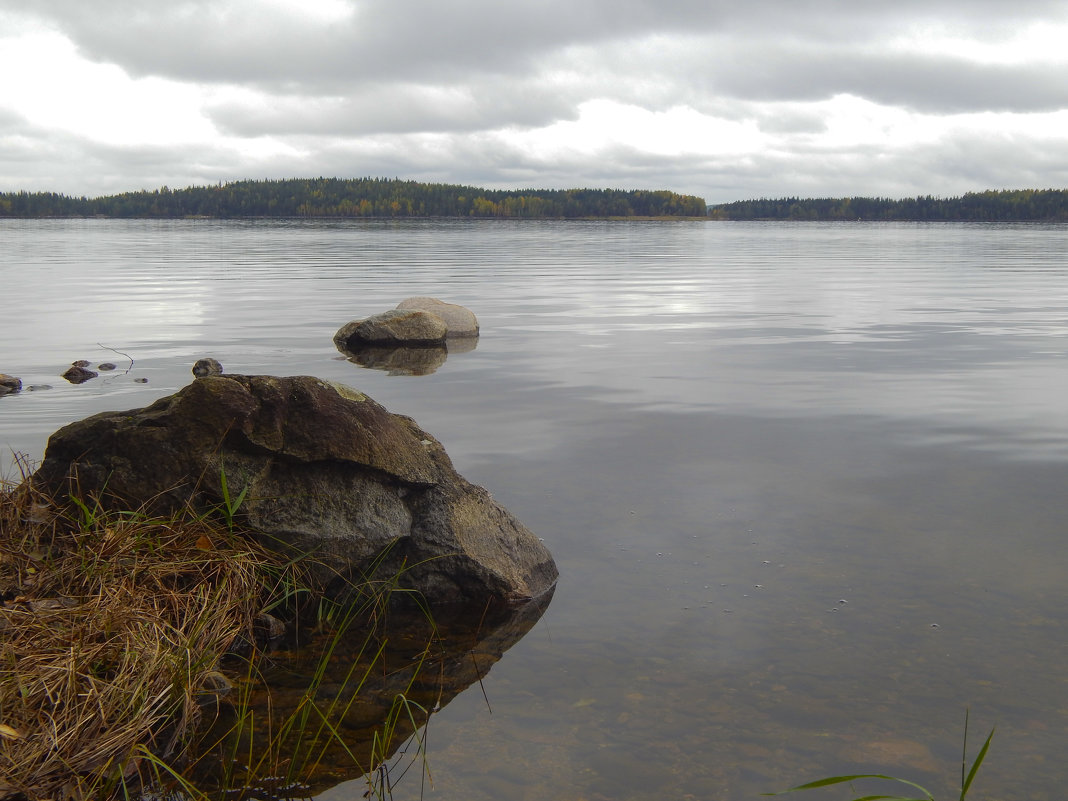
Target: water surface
(804, 482)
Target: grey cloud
(938, 84)
(424, 88)
(214, 40)
(791, 121)
(38, 160)
(210, 40)
(400, 66)
(797, 166)
(958, 164)
(397, 108)
(710, 72)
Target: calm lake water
(806, 484)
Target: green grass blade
(975, 765)
(87, 515)
(240, 499)
(832, 780)
(223, 485)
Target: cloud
(722, 99)
(932, 83)
(390, 107)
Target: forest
(361, 197)
(1021, 205)
(385, 197)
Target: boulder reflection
(355, 705)
(406, 359)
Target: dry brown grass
(109, 626)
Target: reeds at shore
(112, 625)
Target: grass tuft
(112, 625)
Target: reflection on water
(405, 359)
(359, 703)
(399, 360)
(804, 482)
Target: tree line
(362, 197)
(1021, 205)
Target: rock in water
(327, 472)
(459, 320)
(9, 384)
(208, 366)
(395, 327)
(77, 374)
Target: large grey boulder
(327, 473)
(394, 327)
(459, 320)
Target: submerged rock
(326, 471)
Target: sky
(725, 100)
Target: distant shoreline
(207, 218)
(1016, 205)
(360, 198)
(383, 199)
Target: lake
(805, 483)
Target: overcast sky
(726, 100)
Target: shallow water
(804, 482)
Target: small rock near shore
(205, 367)
(78, 373)
(9, 384)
